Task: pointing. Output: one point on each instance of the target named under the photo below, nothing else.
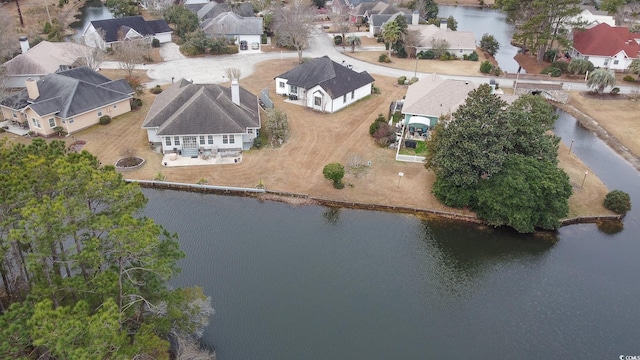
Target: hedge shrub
(156, 90)
(401, 80)
(629, 78)
(618, 201)
(551, 70)
(105, 120)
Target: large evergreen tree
(85, 275)
(500, 161)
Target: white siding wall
(249, 39)
(151, 135)
(281, 90)
(339, 103)
(218, 142)
(163, 37)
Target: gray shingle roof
(334, 78)
(70, 93)
(213, 9)
(191, 109)
(230, 23)
(137, 23)
(46, 57)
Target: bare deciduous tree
(90, 56)
(341, 24)
(293, 26)
(8, 37)
(129, 53)
(233, 73)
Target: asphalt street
(212, 69)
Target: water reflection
(489, 21)
(464, 254)
(332, 215)
(91, 11)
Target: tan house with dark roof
(70, 100)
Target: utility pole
(19, 13)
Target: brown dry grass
(618, 117)
(452, 67)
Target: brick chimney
(32, 89)
(24, 44)
(235, 92)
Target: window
(52, 122)
(317, 101)
(36, 122)
(281, 84)
(201, 139)
(353, 93)
(615, 62)
(344, 98)
(99, 113)
(167, 141)
(294, 89)
(225, 139)
(232, 139)
(250, 131)
(70, 120)
(210, 139)
(176, 140)
(606, 62)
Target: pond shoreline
(305, 200)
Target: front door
(189, 146)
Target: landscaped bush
(550, 55)
(413, 80)
(257, 143)
(497, 71)
(473, 56)
(156, 90)
(105, 120)
(426, 54)
(155, 43)
(402, 52)
(337, 39)
(551, 70)
(618, 201)
(383, 58)
(136, 103)
(629, 78)
(376, 124)
(189, 49)
(401, 80)
(562, 65)
(486, 67)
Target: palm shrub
(618, 201)
(599, 79)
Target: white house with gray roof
(460, 43)
(198, 120)
(324, 85)
(234, 26)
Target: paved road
(211, 69)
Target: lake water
(482, 21)
(91, 11)
(317, 283)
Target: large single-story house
(432, 97)
(72, 100)
(590, 17)
(203, 119)
(234, 26)
(212, 9)
(389, 14)
(606, 46)
(44, 58)
(460, 42)
(104, 33)
(358, 9)
(324, 84)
